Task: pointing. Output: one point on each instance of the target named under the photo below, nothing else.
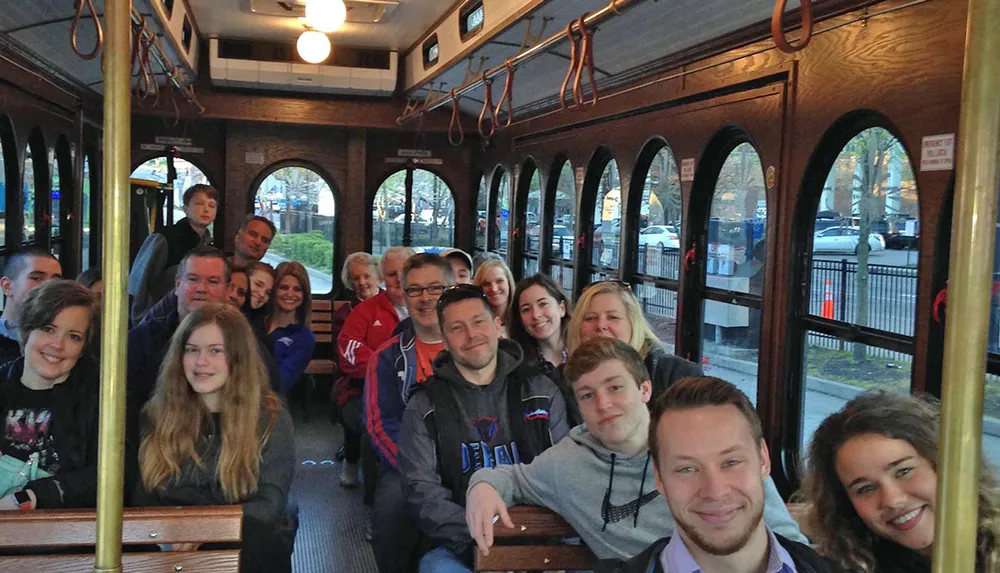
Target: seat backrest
(537, 543)
(322, 313)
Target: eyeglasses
(461, 292)
(433, 290)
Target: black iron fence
(890, 304)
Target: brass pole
(970, 282)
(117, 150)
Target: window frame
(596, 167)
(410, 168)
(550, 187)
(338, 244)
(12, 185)
(800, 322)
(519, 252)
(499, 172)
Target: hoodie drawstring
(607, 494)
(642, 486)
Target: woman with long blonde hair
(496, 280)
(609, 309)
(214, 433)
(871, 489)
(289, 323)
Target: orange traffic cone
(827, 311)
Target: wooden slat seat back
(535, 544)
(45, 530)
(323, 356)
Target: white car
(844, 240)
(660, 236)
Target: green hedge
(311, 249)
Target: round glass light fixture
(325, 15)
(313, 46)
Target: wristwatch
(23, 500)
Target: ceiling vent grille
(358, 11)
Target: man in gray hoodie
(600, 478)
(480, 408)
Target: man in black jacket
(202, 278)
(710, 463)
(23, 271)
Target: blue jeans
(440, 560)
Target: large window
(415, 208)
(482, 201)
(658, 236)
(87, 210)
(501, 223)
(300, 203)
(607, 224)
(187, 174)
(563, 200)
(28, 197)
(862, 277)
(734, 280)
(532, 223)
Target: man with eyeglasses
(480, 408)
(397, 369)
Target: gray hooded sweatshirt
(572, 478)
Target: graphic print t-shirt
(426, 351)
(27, 422)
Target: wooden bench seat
(324, 357)
(537, 543)
(45, 530)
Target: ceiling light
(325, 15)
(313, 46)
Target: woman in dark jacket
(49, 400)
(539, 322)
(214, 433)
(610, 309)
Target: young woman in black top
(49, 401)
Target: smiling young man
(599, 478)
(394, 373)
(480, 408)
(252, 240)
(710, 463)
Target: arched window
(415, 208)
(300, 203)
(482, 202)
(501, 225)
(607, 224)
(188, 174)
(87, 210)
(658, 236)
(734, 270)
(862, 273)
(562, 198)
(55, 213)
(28, 197)
(532, 222)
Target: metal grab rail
(614, 8)
(157, 55)
(778, 32)
(76, 26)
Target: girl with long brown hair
(288, 325)
(214, 433)
(871, 489)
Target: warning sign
(937, 152)
(687, 169)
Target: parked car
(844, 240)
(661, 236)
(900, 241)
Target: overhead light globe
(325, 15)
(313, 46)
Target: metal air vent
(358, 11)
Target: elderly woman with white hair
(368, 326)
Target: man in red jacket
(368, 326)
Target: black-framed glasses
(433, 290)
(461, 292)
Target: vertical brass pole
(117, 150)
(970, 281)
